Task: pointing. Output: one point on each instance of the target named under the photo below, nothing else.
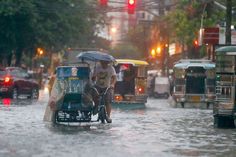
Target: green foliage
(181, 27)
(50, 24)
(102, 43)
(185, 21)
(139, 37)
(202, 51)
(16, 25)
(182, 24)
(126, 50)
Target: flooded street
(157, 130)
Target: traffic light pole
(228, 21)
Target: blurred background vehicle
(15, 81)
(161, 87)
(194, 82)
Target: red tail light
(118, 98)
(6, 102)
(7, 79)
(140, 90)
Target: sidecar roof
(81, 71)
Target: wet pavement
(157, 130)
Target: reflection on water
(67, 128)
(7, 102)
(157, 130)
(77, 128)
(128, 107)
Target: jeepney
(194, 82)
(131, 85)
(224, 109)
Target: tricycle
(72, 96)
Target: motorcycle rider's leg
(95, 107)
(108, 106)
(95, 97)
(108, 110)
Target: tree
(67, 23)
(126, 50)
(16, 27)
(53, 25)
(139, 37)
(185, 21)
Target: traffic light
(103, 3)
(131, 6)
(158, 50)
(152, 57)
(195, 49)
(40, 51)
(153, 53)
(195, 43)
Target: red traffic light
(131, 2)
(131, 6)
(103, 3)
(195, 43)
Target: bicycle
(102, 113)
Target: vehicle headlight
(46, 90)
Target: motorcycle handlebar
(104, 93)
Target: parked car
(15, 81)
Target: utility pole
(228, 21)
(161, 7)
(162, 27)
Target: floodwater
(157, 130)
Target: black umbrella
(95, 56)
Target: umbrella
(95, 56)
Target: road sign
(211, 35)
